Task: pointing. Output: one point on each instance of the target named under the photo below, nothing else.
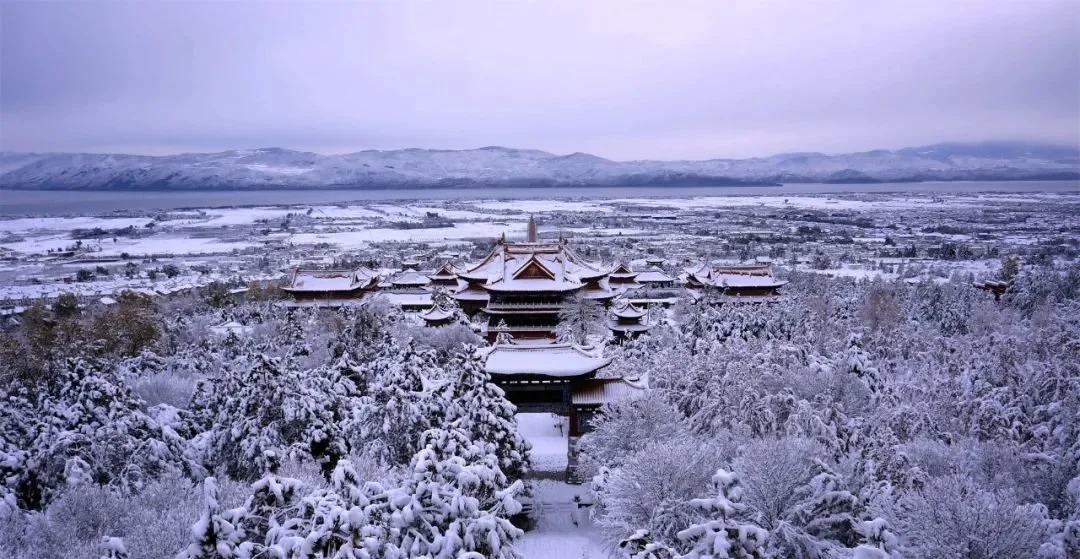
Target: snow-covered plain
(678, 227)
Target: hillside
(276, 168)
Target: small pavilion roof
(436, 314)
(628, 311)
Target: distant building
(749, 283)
(623, 278)
(331, 287)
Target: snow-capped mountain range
(276, 168)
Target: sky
(621, 79)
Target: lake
(55, 202)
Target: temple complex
(522, 287)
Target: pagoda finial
(531, 235)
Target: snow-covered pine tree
(640, 545)
(438, 511)
(397, 408)
(822, 523)
(271, 510)
(85, 425)
(266, 407)
(213, 536)
(727, 533)
(478, 407)
(579, 319)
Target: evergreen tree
(397, 409)
(479, 408)
(213, 536)
(264, 407)
(726, 534)
(86, 426)
(580, 318)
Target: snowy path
(548, 442)
(563, 529)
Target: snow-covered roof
(436, 314)
(446, 272)
(737, 280)
(597, 392)
(551, 360)
(752, 275)
(627, 327)
(528, 266)
(410, 277)
(623, 270)
(653, 275)
(408, 299)
(471, 295)
(330, 280)
(628, 311)
(531, 284)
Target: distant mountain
(277, 168)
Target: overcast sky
(618, 79)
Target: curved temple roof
(330, 280)
(535, 267)
(549, 360)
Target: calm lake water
(38, 202)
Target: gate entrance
(558, 379)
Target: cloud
(619, 79)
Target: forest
(860, 419)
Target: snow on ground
(134, 246)
(800, 202)
(543, 206)
(244, 216)
(549, 441)
(346, 212)
(563, 529)
(358, 239)
(461, 214)
(24, 225)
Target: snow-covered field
(838, 234)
